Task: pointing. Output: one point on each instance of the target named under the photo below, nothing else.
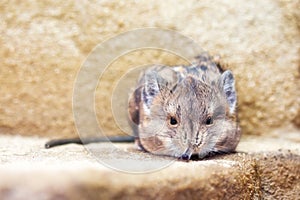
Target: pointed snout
(187, 154)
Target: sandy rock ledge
(28, 171)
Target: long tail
(58, 142)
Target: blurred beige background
(44, 43)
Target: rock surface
(44, 43)
(269, 170)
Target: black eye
(209, 121)
(173, 121)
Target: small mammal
(182, 111)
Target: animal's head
(185, 115)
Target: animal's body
(182, 111)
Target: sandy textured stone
(270, 170)
(43, 44)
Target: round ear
(228, 87)
(147, 88)
(143, 95)
(151, 87)
(152, 82)
(156, 81)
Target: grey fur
(182, 111)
